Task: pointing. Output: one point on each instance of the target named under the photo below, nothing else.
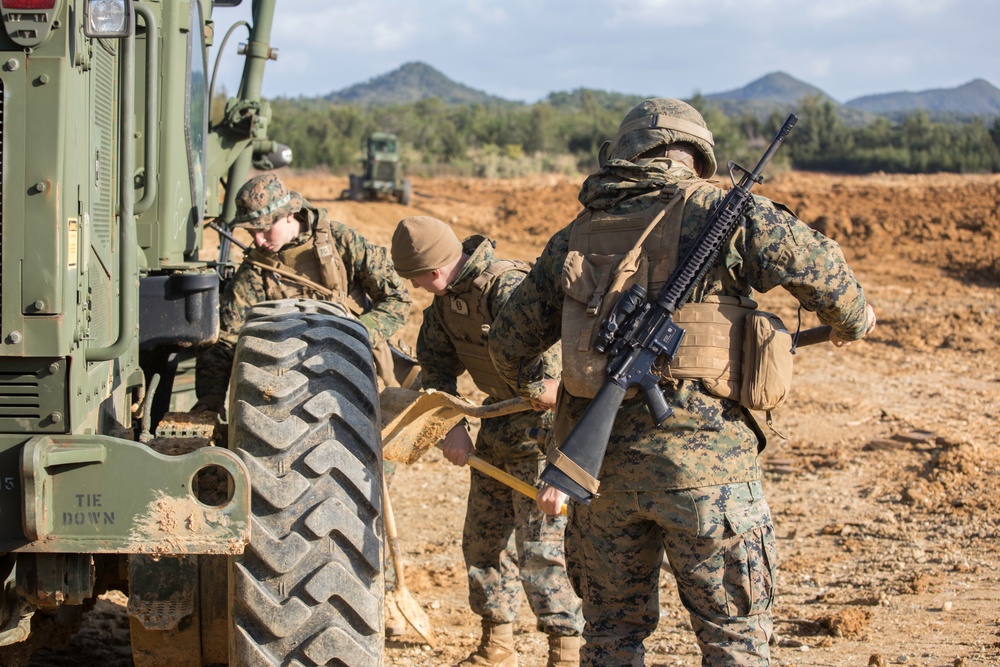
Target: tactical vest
(317, 261)
(610, 253)
(466, 318)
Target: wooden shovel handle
(391, 536)
(505, 477)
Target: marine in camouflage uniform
(508, 543)
(261, 203)
(305, 241)
(690, 488)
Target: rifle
(640, 338)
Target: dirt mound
(952, 221)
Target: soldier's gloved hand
(550, 500)
(457, 445)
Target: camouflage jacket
(708, 440)
(368, 269)
(501, 439)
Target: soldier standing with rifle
(681, 474)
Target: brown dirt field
(886, 491)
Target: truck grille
(33, 395)
(385, 171)
(20, 396)
(105, 98)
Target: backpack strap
(485, 280)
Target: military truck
(383, 172)
(264, 550)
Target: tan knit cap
(421, 244)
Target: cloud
(525, 49)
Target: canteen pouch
(767, 362)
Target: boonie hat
(262, 200)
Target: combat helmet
(661, 121)
(262, 200)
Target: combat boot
(395, 624)
(564, 651)
(496, 647)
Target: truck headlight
(107, 18)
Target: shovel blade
(415, 615)
(418, 427)
(416, 421)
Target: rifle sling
(285, 272)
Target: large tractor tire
(356, 189)
(405, 192)
(304, 417)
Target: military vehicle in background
(265, 551)
(383, 172)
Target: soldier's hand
(547, 400)
(871, 319)
(550, 500)
(457, 445)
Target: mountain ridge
(775, 91)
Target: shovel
(428, 419)
(408, 606)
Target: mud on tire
(304, 418)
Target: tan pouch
(592, 284)
(767, 362)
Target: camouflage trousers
(721, 547)
(509, 544)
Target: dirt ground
(885, 491)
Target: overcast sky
(525, 49)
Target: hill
(776, 88)
(410, 83)
(776, 92)
(975, 98)
(583, 98)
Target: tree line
(563, 134)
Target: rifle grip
(656, 403)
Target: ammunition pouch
(738, 352)
(767, 368)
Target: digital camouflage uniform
(506, 538)
(368, 270)
(691, 487)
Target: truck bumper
(99, 494)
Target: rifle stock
(588, 441)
